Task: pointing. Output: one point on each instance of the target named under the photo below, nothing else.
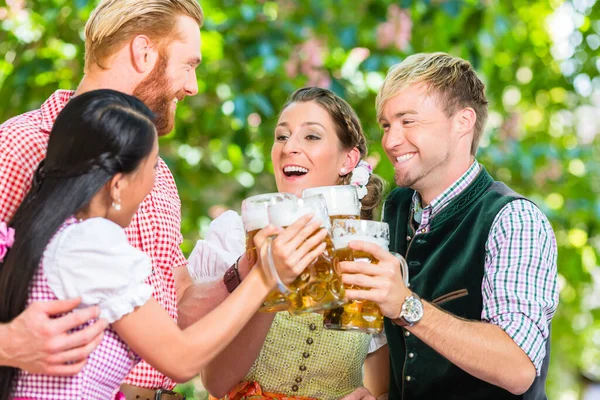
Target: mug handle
(266, 254)
(403, 268)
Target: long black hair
(97, 135)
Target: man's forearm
(230, 367)
(481, 349)
(4, 345)
(198, 300)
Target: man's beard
(411, 178)
(155, 92)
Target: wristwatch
(412, 311)
(232, 277)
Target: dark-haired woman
(69, 241)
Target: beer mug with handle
(359, 315)
(319, 287)
(255, 218)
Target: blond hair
(451, 78)
(114, 22)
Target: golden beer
(275, 302)
(251, 253)
(358, 315)
(333, 217)
(319, 287)
(255, 218)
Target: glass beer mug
(255, 218)
(360, 315)
(342, 200)
(319, 286)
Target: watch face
(412, 310)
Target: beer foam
(255, 219)
(287, 212)
(254, 209)
(340, 199)
(342, 242)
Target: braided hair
(350, 134)
(96, 136)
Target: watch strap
(232, 277)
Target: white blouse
(92, 259)
(225, 242)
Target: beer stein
(255, 218)
(342, 200)
(359, 315)
(319, 286)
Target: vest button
(305, 354)
(408, 378)
(309, 341)
(303, 368)
(406, 333)
(295, 388)
(312, 327)
(298, 379)
(411, 355)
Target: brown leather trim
(451, 296)
(137, 393)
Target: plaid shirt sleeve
(13, 186)
(177, 257)
(519, 287)
(20, 154)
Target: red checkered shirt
(154, 229)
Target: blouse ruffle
(93, 260)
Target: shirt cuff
(527, 335)
(377, 341)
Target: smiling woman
(318, 141)
(307, 153)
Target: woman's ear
(351, 159)
(117, 183)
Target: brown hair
(114, 22)
(350, 134)
(451, 78)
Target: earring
(117, 205)
(343, 171)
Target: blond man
(150, 49)
(475, 321)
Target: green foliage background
(540, 139)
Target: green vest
(446, 267)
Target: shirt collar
(447, 195)
(54, 105)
